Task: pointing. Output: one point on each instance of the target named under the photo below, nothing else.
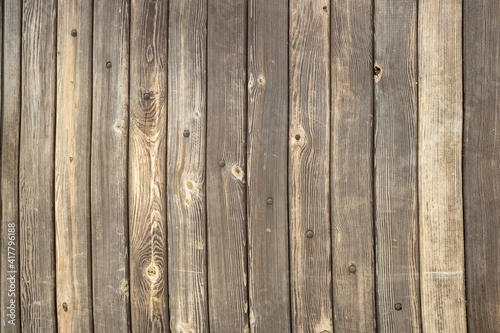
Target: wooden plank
(72, 166)
(308, 180)
(110, 264)
(10, 101)
(186, 166)
(481, 160)
(268, 261)
(439, 166)
(36, 167)
(396, 209)
(147, 154)
(352, 166)
(226, 141)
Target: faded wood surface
(36, 167)
(110, 107)
(439, 166)
(268, 261)
(147, 155)
(72, 166)
(481, 163)
(308, 179)
(352, 166)
(186, 166)
(395, 162)
(226, 165)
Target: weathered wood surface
(395, 163)
(146, 166)
(308, 178)
(439, 166)
(110, 122)
(72, 166)
(36, 167)
(481, 163)
(186, 166)
(268, 262)
(352, 166)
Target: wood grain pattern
(10, 102)
(186, 166)
(268, 260)
(481, 161)
(439, 166)
(308, 180)
(72, 166)
(226, 167)
(110, 264)
(352, 166)
(395, 157)
(147, 154)
(36, 166)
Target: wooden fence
(250, 166)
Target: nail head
(186, 133)
(222, 163)
(352, 269)
(297, 137)
(309, 234)
(398, 306)
(74, 33)
(270, 201)
(146, 96)
(65, 307)
(108, 64)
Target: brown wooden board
(481, 178)
(308, 178)
(110, 108)
(439, 166)
(36, 167)
(352, 166)
(395, 158)
(147, 155)
(226, 167)
(72, 166)
(186, 183)
(268, 261)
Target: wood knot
(189, 185)
(65, 307)
(377, 72)
(152, 271)
(125, 286)
(238, 173)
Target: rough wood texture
(186, 166)
(226, 141)
(36, 169)
(352, 166)
(309, 190)
(72, 166)
(396, 210)
(481, 163)
(10, 101)
(268, 261)
(110, 266)
(147, 154)
(439, 166)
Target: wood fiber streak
(36, 168)
(72, 166)
(226, 141)
(396, 210)
(147, 154)
(352, 166)
(481, 163)
(186, 167)
(110, 264)
(268, 260)
(308, 180)
(439, 166)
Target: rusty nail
(74, 33)
(398, 306)
(108, 64)
(186, 133)
(222, 163)
(270, 201)
(309, 234)
(352, 269)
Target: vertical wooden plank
(110, 266)
(226, 167)
(72, 166)
(481, 163)
(352, 166)
(147, 154)
(186, 166)
(308, 180)
(10, 101)
(396, 210)
(268, 261)
(439, 166)
(36, 168)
